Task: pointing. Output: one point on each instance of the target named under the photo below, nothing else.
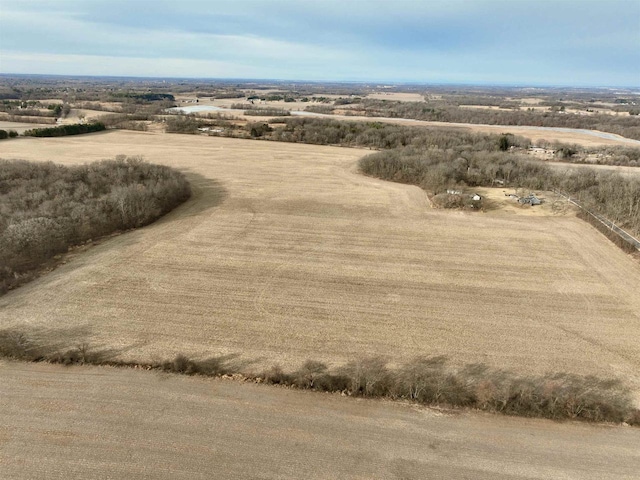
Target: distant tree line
(378, 135)
(63, 130)
(46, 208)
(34, 108)
(627, 126)
(146, 97)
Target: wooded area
(46, 208)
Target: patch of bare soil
(86, 422)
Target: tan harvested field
(21, 127)
(99, 423)
(397, 96)
(286, 253)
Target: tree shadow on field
(206, 193)
(229, 364)
(74, 345)
(56, 345)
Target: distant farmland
(286, 253)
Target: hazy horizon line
(320, 82)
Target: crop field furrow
(85, 421)
(285, 253)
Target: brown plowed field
(104, 423)
(285, 253)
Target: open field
(120, 423)
(20, 127)
(397, 96)
(285, 253)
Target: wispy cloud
(489, 41)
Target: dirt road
(104, 423)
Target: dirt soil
(497, 203)
(285, 253)
(104, 423)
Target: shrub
(309, 373)
(368, 377)
(258, 129)
(276, 376)
(183, 124)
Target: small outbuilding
(530, 200)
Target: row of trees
(63, 130)
(627, 126)
(424, 380)
(4, 134)
(46, 208)
(384, 136)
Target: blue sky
(579, 43)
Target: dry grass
(285, 254)
(496, 203)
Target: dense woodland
(46, 208)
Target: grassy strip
(425, 380)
